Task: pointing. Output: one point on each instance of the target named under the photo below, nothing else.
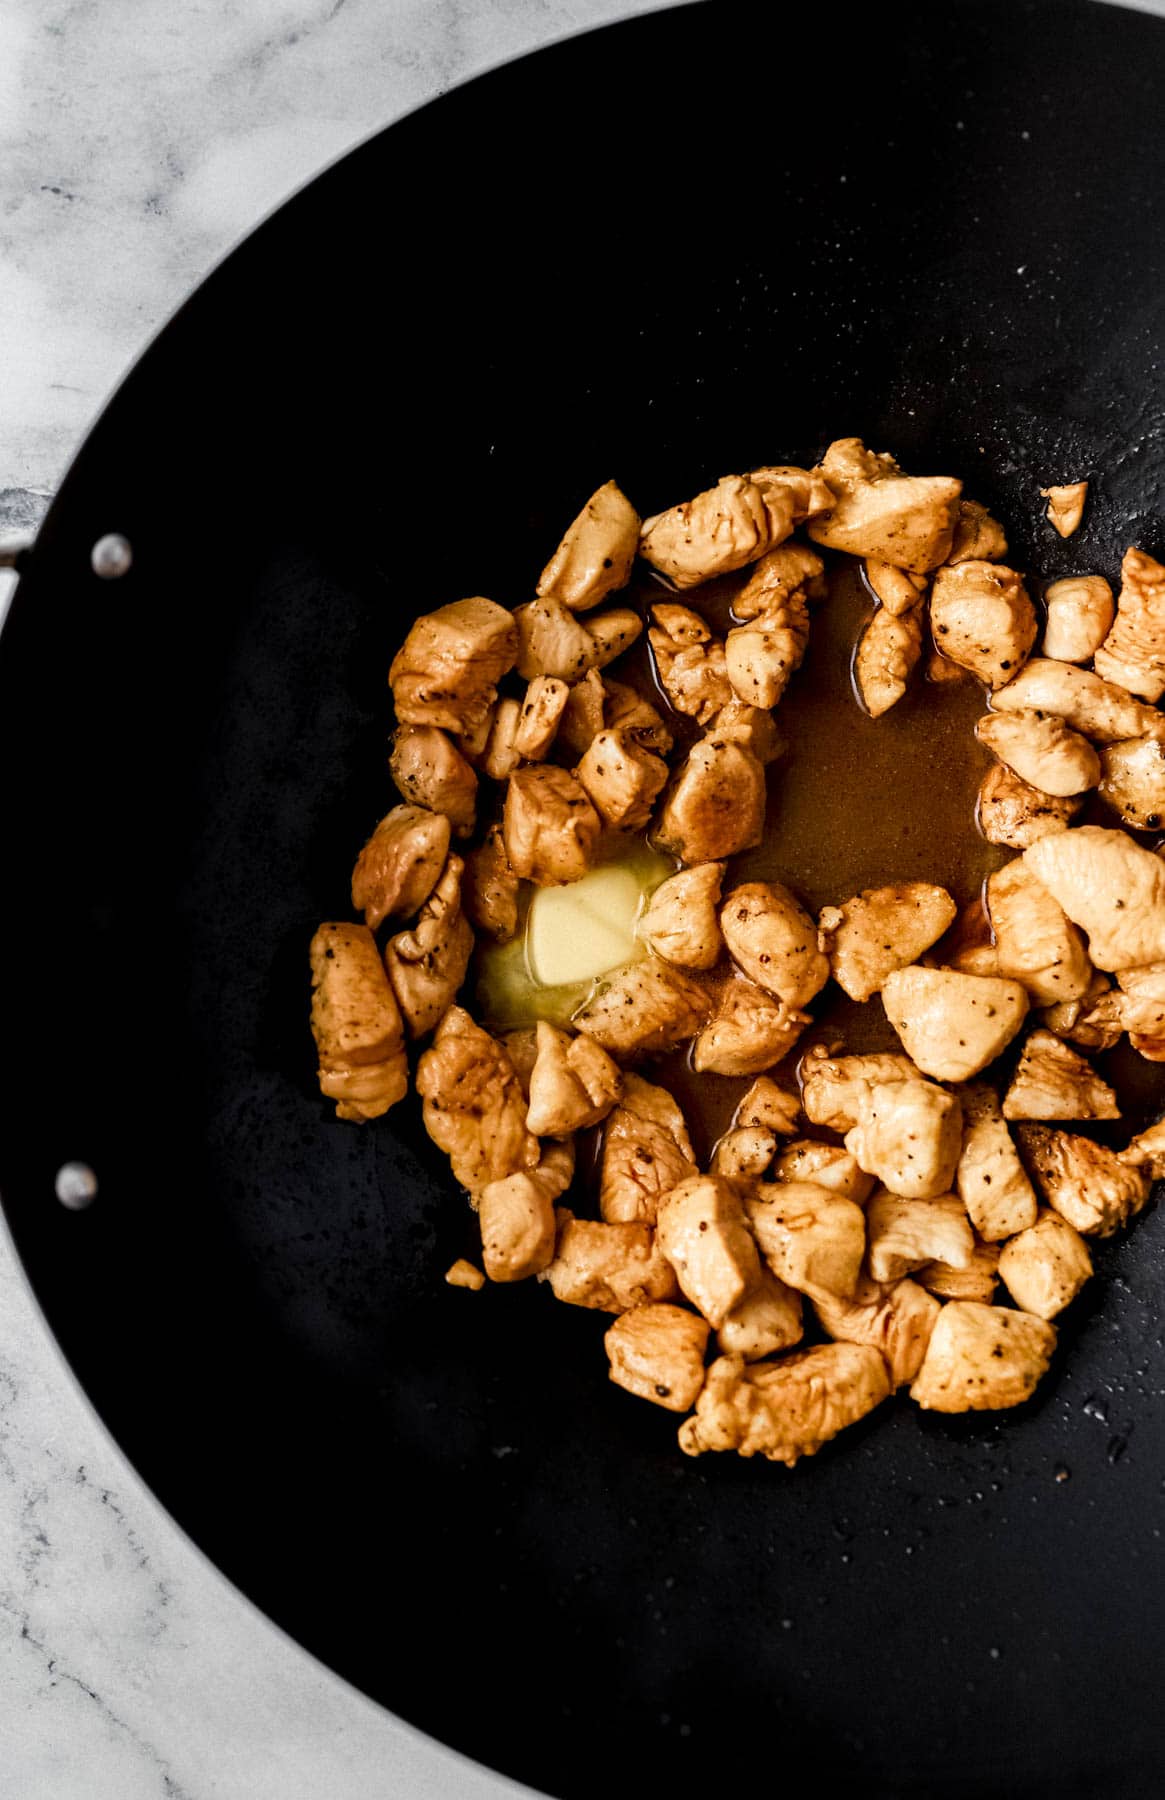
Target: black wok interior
(686, 244)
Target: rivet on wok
(76, 1186)
(111, 556)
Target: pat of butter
(578, 932)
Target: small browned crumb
(464, 1274)
(1066, 506)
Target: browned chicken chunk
(427, 965)
(880, 930)
(621, 780)
(811, 1239)
(474, 1107)
(1066, 506)
(657, 1352)
(1045, 1267)
(582, 716)
(356, 1024)
(790, 570)
(464, 1274)
(774, 941)
(1042, 750)
(1109, 886)
(1082, 1180)
(887, 657)
(827, 1165)
(644, 1010)
(516, 1214)
(1079, 614)
(908, 1135)
(807, 489)
(539, 719)
(768, 1319)
(748, 1032)
(595, 556)
(681, 923)
(1093, 1021)
(722, 529)
(897, 591)
(447, 670)
(1147, 1152)
(981, 1358)
(701, 1229)
(952, 1025)
(1013, 812)
(751, 727)
(991, 1181)
(716, 805)
(501, 757)
(834, 1089)
(770, 1107)
(977, 535)
(1133, 653)
(1099, 709)
(982, 619)
(550, 828)
(690, 662)
(1133, 781)
(787, 1409)
(430, 771)
(626, 710)
(398, 867)
(762, 655)
(573, 1084)
(1052, 1081)
(904, 1235)
(744, 1153)
(895, 1318)
(976, 1280)
(1035, 942)
(646, 1153)
(489, 888)
(554, 641)
(907, 520)
(610, 1268)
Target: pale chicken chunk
(812, 1239)
(430, 771)
(1140, 1006)
(768, 1319)
(644, 1010)
(827, 1165)
(690, 662)
(551, 830)
(787, 1409)
(880, 930)
(770, 1107)
(596, 554)
(573, 1084)
(583, 715)
(626, 710)
(792, 570)
(398, 867)
(716, 805)
(907, 520)
(1133, 781)
(1133, 653)
(621, 780)
(356, 1024)
(982, 619)
(748, 1032)
(744, 1153)
(447, 670)
(722, 529)
(977, 535)
(1079, 614)
(1042, 751)
(1086, 1183)
(489, 888)
(427, 965)
(554, 641)
(762, 656)
(991, 1180)
(981, 1358)
(1052, 1081)
(774, 941)
(834, 1089)
(887, 657)
(1045, 1267)
(1099, 709)
(1035, 942)
(1109, 886)
(657, 1353)
(976, 1280)
(610, 1268)
(952, 1025)
(681, 923)
(1012, 812)
(501, 756)
(474, 1107)
(808, 491)
(895, 1318)
(516, 1214)
(897, 591)
(702, 1231)
(1146, 1151)
(1066, 506)
(752, 727)
(909, 1135)
(541, 713)
(646, 1153)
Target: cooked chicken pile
(912, 1218)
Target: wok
(693, 242)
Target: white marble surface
(138, 141)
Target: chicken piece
(621, 780)
(518, 1224)
(897, 591)
(887, 656)
(680, 923)
(610, 1268)
(880, 930)
(701, 1229)
(768, 1319)
(582, 716)
(447, 670)
(762, 657)
(1085, 1182)
(1052, 1081)
(834, 1089)
(501, 756)
(774, 941)
(1066, 506)
(554, 641)
(596, 555)
(464, 1274)
(1079, 615)
(722, 529)
(1133, 781)
(489, 888)
(977, 1281)
(1133, 653)
(1140, 1006)
(952, 1025)
(752, 727)
(689, 661)
(791, 572)
(787, 1409)
(769, 1107)
(646, 1153)
(645, 1009)
(1111, 888)
(1098, 709)
(909, 1136)
(522, 1049)
(894, 1318)
(430, 771)
(1012, 812)
(474, 1108)
(907, 520)
(356, 1024)
(573, 1084)
(1042, 750)
(1045, 1267)
(748, 1032)
(550, 829)
(398, 867)
(541, 713)
(657, 1353)
(826, 1165)
(627, 711)
(1035, 942)
(716, 806)
(981, 1358)
(991, 1181)
(982, 619)
(1146, 1151)
(978, 537)
(744, 1153)
(807, 489)
(811, 1239)
(1093, 1021)
(427, 965)
(969, 947)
